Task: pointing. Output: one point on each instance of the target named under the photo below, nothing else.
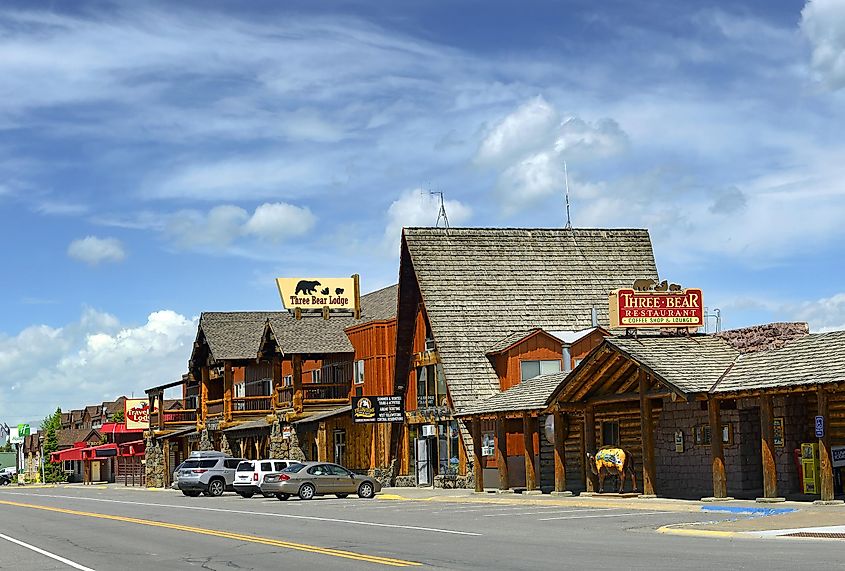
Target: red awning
(64, 455)
(134, 448)
(117, 428)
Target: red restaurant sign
(632, 308)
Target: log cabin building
(725, 415)
(265, 384)
(483, 309)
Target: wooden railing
(252, 405)
(284, 397)
(215, 407)
(182, 416)
(326, 391)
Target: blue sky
(158, 160)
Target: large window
(431, 387)
(610, 433)
(358, 372)
(448, 441)
(531, 369)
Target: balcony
(326, 393)
(259, 404)
(174, 418)
(215, 407)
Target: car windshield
(187, 464)
(293, 468)
(245, 467)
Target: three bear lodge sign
(652, 304)
(319, 293)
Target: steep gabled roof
(509, 341)
(818, 358)
(233, 335)
(479, 285)
(67, 437)
(690, 364)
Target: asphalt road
(112, 528)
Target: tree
(50, 427)
(117, 417)
(7, 447)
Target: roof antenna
(566, 178)
(442, 212)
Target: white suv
(249, 474)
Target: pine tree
(50, 428)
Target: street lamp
(41, 454)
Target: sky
(158, 160)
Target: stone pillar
(225, 445)
(154, 465)
(295, 450)
(205, 441)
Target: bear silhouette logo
(307, 287)
(324, 291)
(338, 291)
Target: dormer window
(531, 369)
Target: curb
(688, 532)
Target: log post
(477, 458)
(502, 453)
(560, 453)
(228, 389)
(717, 451)
(298, 399)
(277, 382)
(204, 380)
(647, 436)
(528, 441)
(825, 464)
(767, 442)
(322, 443)
(589, 447)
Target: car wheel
(191, 493)
(267, 494)
(282, 497)
(216, 488)
(342, 496)
(366, 491)
(306, 492)
(246, 494)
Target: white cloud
(93, 250)
(823, 23)
(826, 314)
(418, 207)
(226, 224)
(278, 221)
(528, 147)
(94, 359)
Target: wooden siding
(359, 438)
(375, 344)
(417, 347)
(583, 346)
(540, 347)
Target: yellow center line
(229, 535)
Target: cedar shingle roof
(510, 340)
(691, 364)
(531, 394)
(481, 284)
(818, 358)
(237, 335)
(67, 437)
(114, 406)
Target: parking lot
(112, 527)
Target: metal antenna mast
(442, 212)
(566, 179)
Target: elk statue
(612, 460)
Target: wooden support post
(560, 453)
(528, 441)
(356, 280)
(165, 451)
(502, 453)
(298, 399)
(204, 380)
(717, 451)
(767, 441)
(228, 389)
(825, 464)
(277, 382)
(589, 447)
(477, 458)
(160, 399)
(647, 436)
(321, 442)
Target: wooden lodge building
(722, 415)
(265, 384)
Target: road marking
(228, 535)
(544, 512)
(58, 558)
(252, 513)
(602, 515)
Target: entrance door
(95, 471)
(423, 463)
(340, 447)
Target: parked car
(311, 479)
(250, 475)
(174, 485)
(209, 475)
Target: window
(448, 443)
(316, 376)
(531, 369)
(294, 468)
(245, 467)
(431, 387)
(279, 466)
(610, 433)
(319, 470)
(339, 471)
(210, 464)
(340, 446)
(266, 466)
(359, 372)
(288, 380)
(229, 464)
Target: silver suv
(207, 474)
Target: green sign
(23, 430)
